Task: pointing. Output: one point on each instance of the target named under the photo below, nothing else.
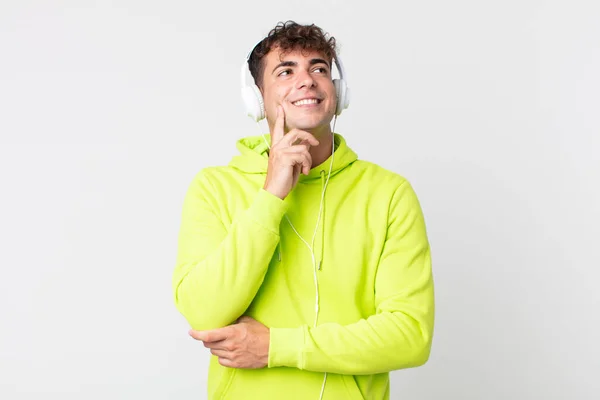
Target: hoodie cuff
(285, 347)
(267, 210)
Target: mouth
(307, 102)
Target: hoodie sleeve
(219, 268)
(399, 334)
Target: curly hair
(289, 36)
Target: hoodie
(342, 279)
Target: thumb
(244, 318)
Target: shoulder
(377, 175)
(206, 182)
(385, 186)
(207, 175)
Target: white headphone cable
(311, 247)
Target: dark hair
(289, 36)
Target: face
(302, 84)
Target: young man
(305, 271)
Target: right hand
(287, 159)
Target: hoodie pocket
(285, 383)
(224, 383)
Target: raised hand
(289, 156)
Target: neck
(323, 151)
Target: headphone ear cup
(343, 98)
(253, 102)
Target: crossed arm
(398, 335)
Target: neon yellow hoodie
(238, 255)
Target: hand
(286, 158)
(242, 345)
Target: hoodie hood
(254, 157)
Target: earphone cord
(320, 209)
(311, 246)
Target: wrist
(274, 192)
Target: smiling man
(304, 270)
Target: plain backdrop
(108, 110)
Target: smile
(305, 102)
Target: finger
(221, 353)
(226, 362)
(219, 345)
(307, 165)
(278, 129)
(291, 138)
(299, 148)
(303, 160)
(308, 139)
(213, 335)
(244, 318)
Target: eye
(285, 72)
(322, 70)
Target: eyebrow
(312, 61)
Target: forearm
(213, 288)
(381, 343)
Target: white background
(108, 109)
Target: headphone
(254, 104)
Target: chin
(307, 124)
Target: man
(305, 271)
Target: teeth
(305, 101)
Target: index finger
(212, 335)
(279, 125)
(304, 137)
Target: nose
(305, 79)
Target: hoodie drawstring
(322, 227)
